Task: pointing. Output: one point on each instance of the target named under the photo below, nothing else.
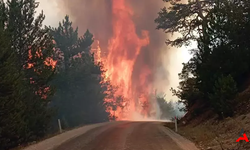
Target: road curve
(128, 136)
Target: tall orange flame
(133, 62)
(124, 48)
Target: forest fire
(48, 61)
(130, 50)
(124, 47)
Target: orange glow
(97, 52)
(50, 62)
(124, 48)
(43, 92)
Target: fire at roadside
(130, 49)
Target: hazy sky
(174, 59)
(51, 11)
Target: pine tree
(80, 94)
(25, 73)
(221, 30)
(12, 124)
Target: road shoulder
(57, 140)
(182, 142)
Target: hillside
(214, 84)
(211, 133)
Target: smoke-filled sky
(163, 63)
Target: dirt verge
(212, 134)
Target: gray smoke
(96, 15)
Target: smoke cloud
(96, 15)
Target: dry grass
(209, 133)
(217, 135)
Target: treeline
(220, 66)
(80, 88)
(46, 74)
(167, 108)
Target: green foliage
(188, 93)
(221, 30)
(24, 90)
(80, 87)
(167, 108)
(12, 125)
(223, 95)
(188, 19)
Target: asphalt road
(128, 136)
